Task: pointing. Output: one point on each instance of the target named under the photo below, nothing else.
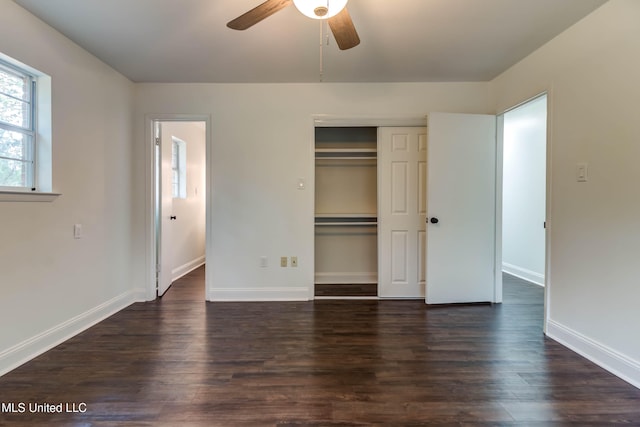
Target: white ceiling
(402, 40)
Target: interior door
(402, 168)
(461, 191)
(165, 211)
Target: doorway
(178, 229)
(524, 191)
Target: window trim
(27, 196)
(29, 131)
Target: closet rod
(346, 223)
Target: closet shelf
(346, 215)
(346, 154)
(346, 219)
(345, 150)
(347, 158)
(348, 223)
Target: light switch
(77, 231)
(582, 172)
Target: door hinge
(157, 268)
(157, 141)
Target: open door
(461, 204)
(165, 216)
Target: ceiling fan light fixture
(320, 9)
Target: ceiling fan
(334, 11)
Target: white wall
(524, 190)
(52, 285)
(592, 72)
(262, 136)
(187, 246)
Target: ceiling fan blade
(343, 30)
(257, 14)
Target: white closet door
(402, 170)
(461, 196)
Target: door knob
(172, 217)
(434, 220)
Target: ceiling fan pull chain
(321, 53)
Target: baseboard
(30, 348)
(523, 273)
(603, 356)
(258, 294)
(187, 268)
(140, 295)
(355, 278)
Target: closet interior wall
(346, 194)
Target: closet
(346, 200)
(370, 211)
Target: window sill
(24, 196)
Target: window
(25, 133)
(179, 168)
(17, 128)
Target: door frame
(499, 184)
(151, 241)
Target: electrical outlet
(283, 261)
(294, 261)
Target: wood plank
(346, 290)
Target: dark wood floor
(183, 362)
(346, 290)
